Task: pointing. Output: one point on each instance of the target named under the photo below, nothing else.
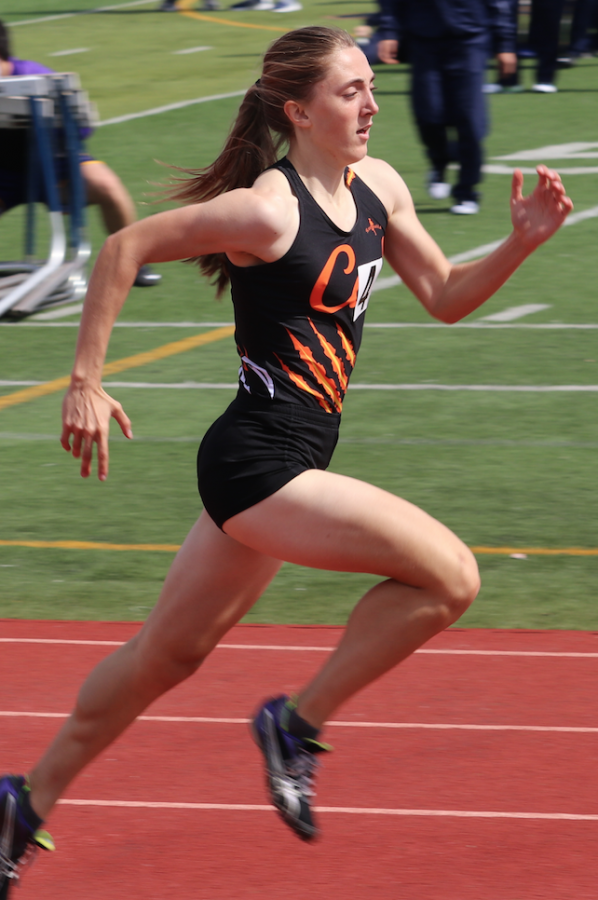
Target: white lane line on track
(350, 810)
(430, 726)
(311, 649)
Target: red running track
(486, 789)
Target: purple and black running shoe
(20, 833)
(290, 765)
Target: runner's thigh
(330, 521)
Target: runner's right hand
(86, 414)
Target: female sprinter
(301, 240)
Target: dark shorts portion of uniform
(258, 446)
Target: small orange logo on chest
(372, 227)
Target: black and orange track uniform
(299, 320)
(299, 324)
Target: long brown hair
(292, 66)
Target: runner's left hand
(536, 217)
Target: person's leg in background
(427, 99)
(104, 188)
(544, 39)
(585, 14)
(464, 66)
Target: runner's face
(342, 107)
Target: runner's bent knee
(462, 583)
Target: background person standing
(448, 43)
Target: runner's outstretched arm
(451, 292)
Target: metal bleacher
(40, 121)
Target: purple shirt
(27, 67)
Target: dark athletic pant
(585, 15)
(447, 79)
(544, 36)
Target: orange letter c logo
(317, 294)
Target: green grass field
(503, 468)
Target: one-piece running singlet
(299, 320)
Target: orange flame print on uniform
(301, 383)
(316, 298)
(350, 177)
(347, 346)
(337, 365)
(318, 371)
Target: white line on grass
(231, 386)
(60, 313)
(12, 436)
(70, 52)
(349, 810)
(504, 388)
(82, 13)
(515, 312)
(157, 110)
(381, 284)
(190, 50)
(479, 323)
(292, 648)
(575, 150)
(485, 249)
(495, 169)
(430, 726)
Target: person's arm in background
(390, 30)
(502, 15)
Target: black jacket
(431, 19)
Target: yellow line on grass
(91, 545)
(191, 14)
(172, 548)
(185, 10)
(120, 365)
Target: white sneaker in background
(439, 190)
(465, 208)
(285, 6)
(545, 88)
(253, 4)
